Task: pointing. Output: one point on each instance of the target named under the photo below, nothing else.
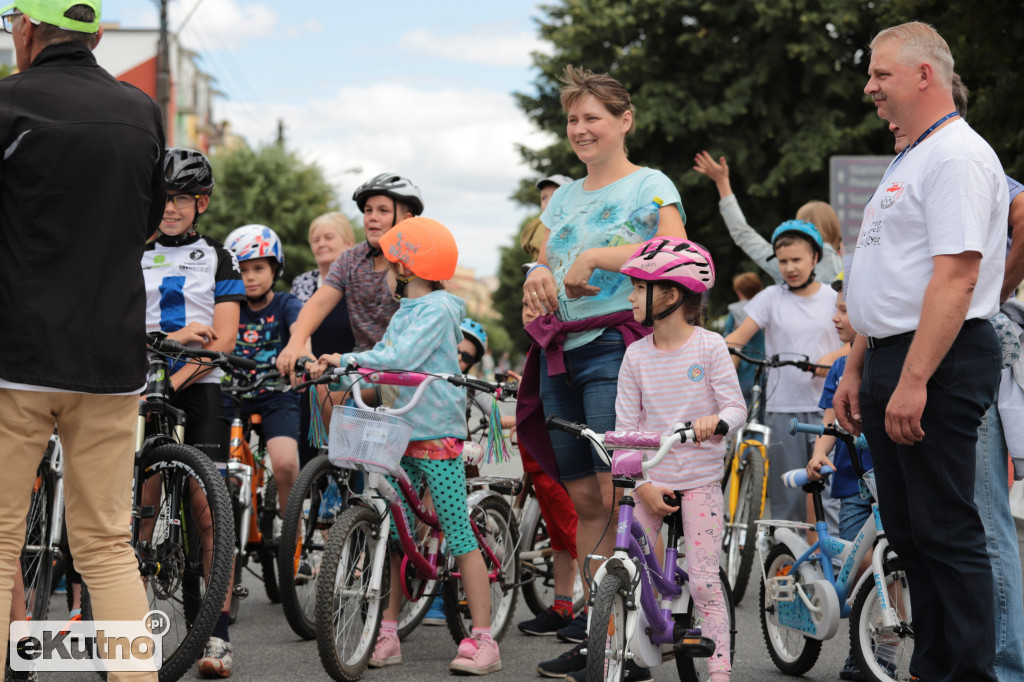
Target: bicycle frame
(242, 466)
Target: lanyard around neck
(918, 141)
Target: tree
(774, 86)
(508, 299)
(269, 186)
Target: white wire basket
(366, 440)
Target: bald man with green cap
(81, 188)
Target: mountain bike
(354, 584)
(803, 599)
(745, 485)
(252, 489)
(641, 608)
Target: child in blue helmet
(796, 318)
(264, 328)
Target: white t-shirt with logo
(794, 326)
(946, 196)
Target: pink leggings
(702, 531)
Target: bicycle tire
(606, 657)
(792, 653)
(347, 616)
(740, 545)
(190, 595)
(493, 516)
(695, 669)
(270, 533)
(37, 556)
(302, 510)
(537, 563)
(866, 638)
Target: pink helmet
(674, 260)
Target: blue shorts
(853, 511)
(280, 413)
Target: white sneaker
(217, 659)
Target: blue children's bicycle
(803, 597)
(666, 624)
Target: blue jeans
(584, 393)
(991, 494)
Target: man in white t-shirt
(925, 366)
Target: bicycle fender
(478, 496)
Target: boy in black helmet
(194, 292)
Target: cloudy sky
(419, 88)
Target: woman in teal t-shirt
(593, 225)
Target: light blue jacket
(424, 336)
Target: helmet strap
(400, 284)
(650, 318)
(806, 284)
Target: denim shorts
(853, 511)
(279, 412)
(584, 393)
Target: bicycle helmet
(390, 185)
(250, 242)
(803, 229)
(670, 259)
(556, 180)
(425, 247)
(474, 331)
(187, 171)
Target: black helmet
(390, 185)
(187, 171)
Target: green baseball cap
(52, 12)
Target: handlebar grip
(554, 422)
(797, 478)
(240, 362)
(722, 428)
(795, 427)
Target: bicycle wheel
(187, 553)
(696, 669)
(304, 531)
(348, 614)
(493, 517)
(606, 634)
(741, 530)
(270, 532)
(536, 560)
(792, 652)
(37, 556)
(883, 655)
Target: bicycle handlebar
(775, 361)
(854, 445)
(159, 343)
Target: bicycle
(44, 532)
(630, 590)
(745, 485)
(354, 585)
(253, 490)
(178, 496)
(802, 599)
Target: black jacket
(81, 188)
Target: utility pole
(280, 133)
(163, 72)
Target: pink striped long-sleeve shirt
(659, 388)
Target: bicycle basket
(366, 440)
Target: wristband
(537, 265)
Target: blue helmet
(474, 331)
(800, 228)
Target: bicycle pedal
(782, 588)
(240, 592)
(695, 646)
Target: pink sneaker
(476, 657)
(388, 651)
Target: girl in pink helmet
(682, 372)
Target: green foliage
(508, 299)
(775, 86)
(269, 186)
(6, 70)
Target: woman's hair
(747, 284)
(336, 220)
(823, 217)
(578, 83)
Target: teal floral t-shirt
(624, 212)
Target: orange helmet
(422, 245)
